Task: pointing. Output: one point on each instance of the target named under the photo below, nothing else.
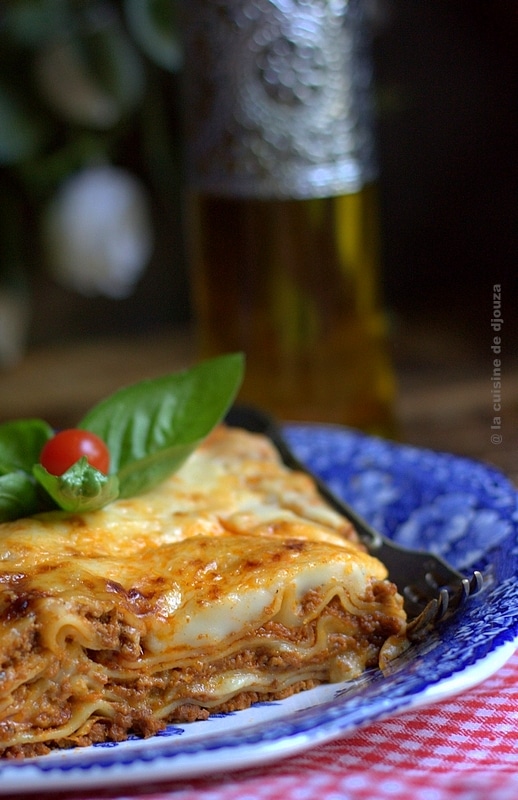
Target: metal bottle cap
(278, 98)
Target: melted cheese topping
(184, 597)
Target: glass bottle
(281, 201)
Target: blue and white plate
(465, 511)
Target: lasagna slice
(230, 583)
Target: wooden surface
(444, 397)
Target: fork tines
(449, 599)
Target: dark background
(447, 73)
(447, 97)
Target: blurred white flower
(98, 232)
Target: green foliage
(75, 78)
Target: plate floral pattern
(463, 510)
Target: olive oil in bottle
(282, 206)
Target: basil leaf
(18, 496)
(141, 475)
(21, 442)
(81, 488)
(152, 427)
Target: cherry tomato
(68, 446)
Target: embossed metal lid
(278, 98)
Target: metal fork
(432, 590)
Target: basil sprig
(21, 442)
(80, 488)
(150, 429)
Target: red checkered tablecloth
(464, 748)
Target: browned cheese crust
(230, 583)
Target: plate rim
(94, 774)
